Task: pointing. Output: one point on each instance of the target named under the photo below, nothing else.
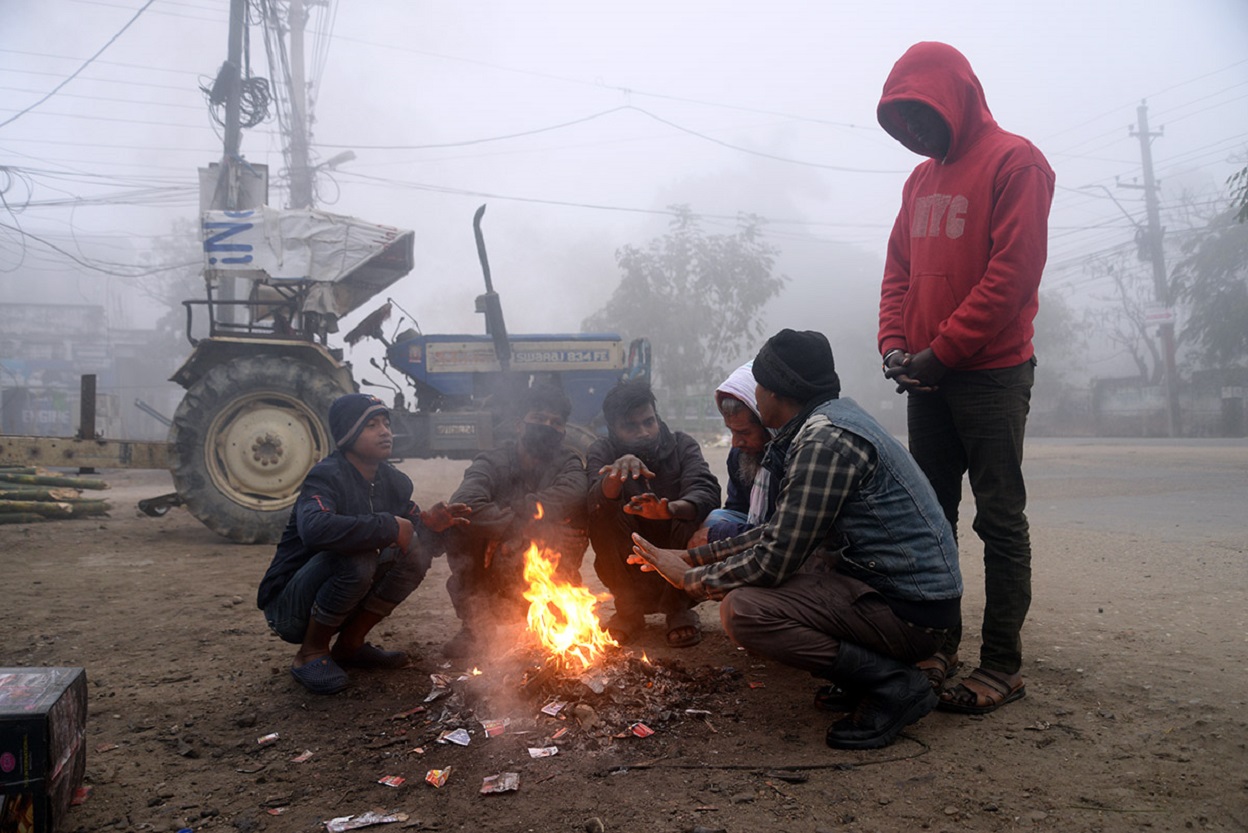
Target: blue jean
(333, 587)
(974, 424)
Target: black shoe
(895, 694)
(833, 698)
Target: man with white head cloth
(752, 489)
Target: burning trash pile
(572, 682)
(563, 685)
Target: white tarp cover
(268, 244)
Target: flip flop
(989, 691)
(321, 676)
(370, 656)
(624, 628)
(687, 621)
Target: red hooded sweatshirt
(966, 252)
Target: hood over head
(941, 77)
(740, 384)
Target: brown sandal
(982, 692)
(938, 668)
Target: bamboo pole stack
(29, 495)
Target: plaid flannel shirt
(825, 466)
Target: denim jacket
(897, 538)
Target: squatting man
(354, 548)
(855, 576)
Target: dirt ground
(1134, 720)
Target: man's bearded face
(748, 464)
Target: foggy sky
(787, 79)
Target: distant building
(46, 348)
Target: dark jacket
(339, 511)
(502, 495)
(680, 473)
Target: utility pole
(302, 176)
(1161, 283)
(227, 197)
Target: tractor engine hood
(342, 261)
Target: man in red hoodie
(957, 302)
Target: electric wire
(75, 73)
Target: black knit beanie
(350, 413)
(798, 365)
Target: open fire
(561, 615)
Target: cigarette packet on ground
(553, 707)
(438, 777)
(459, 737)
(501, 783)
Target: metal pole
(1161, 284)
(86, 413)
(227, 196)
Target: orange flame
(561, 615)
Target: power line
(623, 108)
(81, 68)
(92, 266)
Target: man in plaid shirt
(855, 577)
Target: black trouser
(637, 593)
(974, 423)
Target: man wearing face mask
(504, 487)
(650, 480)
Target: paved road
(1177, 490)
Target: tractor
(258, 386)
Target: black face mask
(541, 440)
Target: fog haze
(625, 110)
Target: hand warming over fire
(671, 564)
(649, 505)
(442, 516)
(627, 467)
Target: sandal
(683, 629)
(981, 692)
(321, 676)
(624, 627)
(938, 668)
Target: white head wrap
(740, 385)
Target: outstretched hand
(442, 516)
(627, 467)
(649, 506)
(671, 564)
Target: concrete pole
(1161, 282)
(302, 184)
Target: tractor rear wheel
(243, 439)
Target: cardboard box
(43, 724)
